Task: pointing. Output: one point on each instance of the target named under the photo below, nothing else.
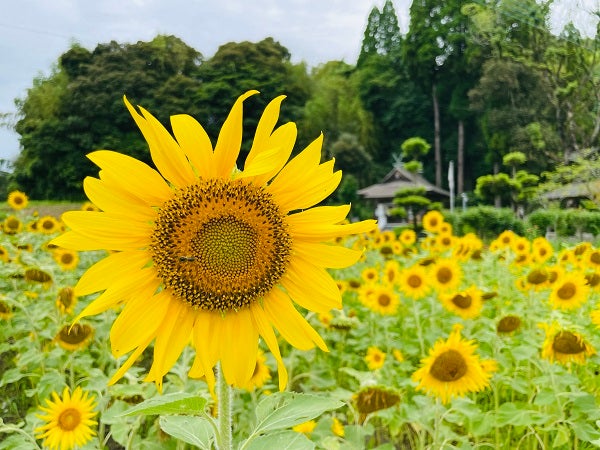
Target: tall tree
(79, 108)
(382, 34)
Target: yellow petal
(195, 143)
(101, 275)
(114, 200)
(127, 365)
(229, 141)
(166, 153)
(324, 255)
(139, 178)
(265, 127)
(171, 338)
(283, 139)
(289, 322)
(139, 319)
(311, 286)
(120, 291)
(266, 332)
(111, 231)
(206, 343)
(239, 347)
(75, 241)
(319, 215)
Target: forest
(487, 85)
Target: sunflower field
(443, 342)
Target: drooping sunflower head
(374, 398)
(570, 291)
(69, 420)
(508, 324)
(38, 276)
(209, 252)
(74, 337)
(5, 310)
(17, 200)
(565, 346)
(66, 300)
(452, 369)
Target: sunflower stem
(224, 402)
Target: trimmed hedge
(487, 222)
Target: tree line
(478, 81)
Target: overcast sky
(34, 33)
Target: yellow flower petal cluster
(207, 253)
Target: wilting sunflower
(432, 220)
(12, 225)
(205, 252)
(445, 274)
(374, 358)
(66, 259)
(413, 282)
(38, 276)
(261, 373)
(17, 200)
(74, 337)
(466, 304)
(5, 310)
(69, 420)
(383, 300)
(508, 324)
(452, 369)
(570, 291)
(564, 346)
(66, 300)
(374, 398)
(48, 225)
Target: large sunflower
(205, 252)
(69, 420)
(453, 369)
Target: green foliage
(499, 185)
(382, 33)
(514, 159)
(415, 148)
(565, 222)
(487, 221)
(413, 166)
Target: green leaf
(286, 409)
(283, 440)
(193, 430)
(518, 415)
(585, 432)
(175, 403)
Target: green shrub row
(487, 222)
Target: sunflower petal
(141, 180)
(289, 322)
(127, 364)
(266, 332)
(139, 319)
(264, 129)
(111, 199)
(166, 153)
(324, 255)
(195, 143)
(100, 276)
(229, 141)
(239, 347)
(311, 287)
(172, 336)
